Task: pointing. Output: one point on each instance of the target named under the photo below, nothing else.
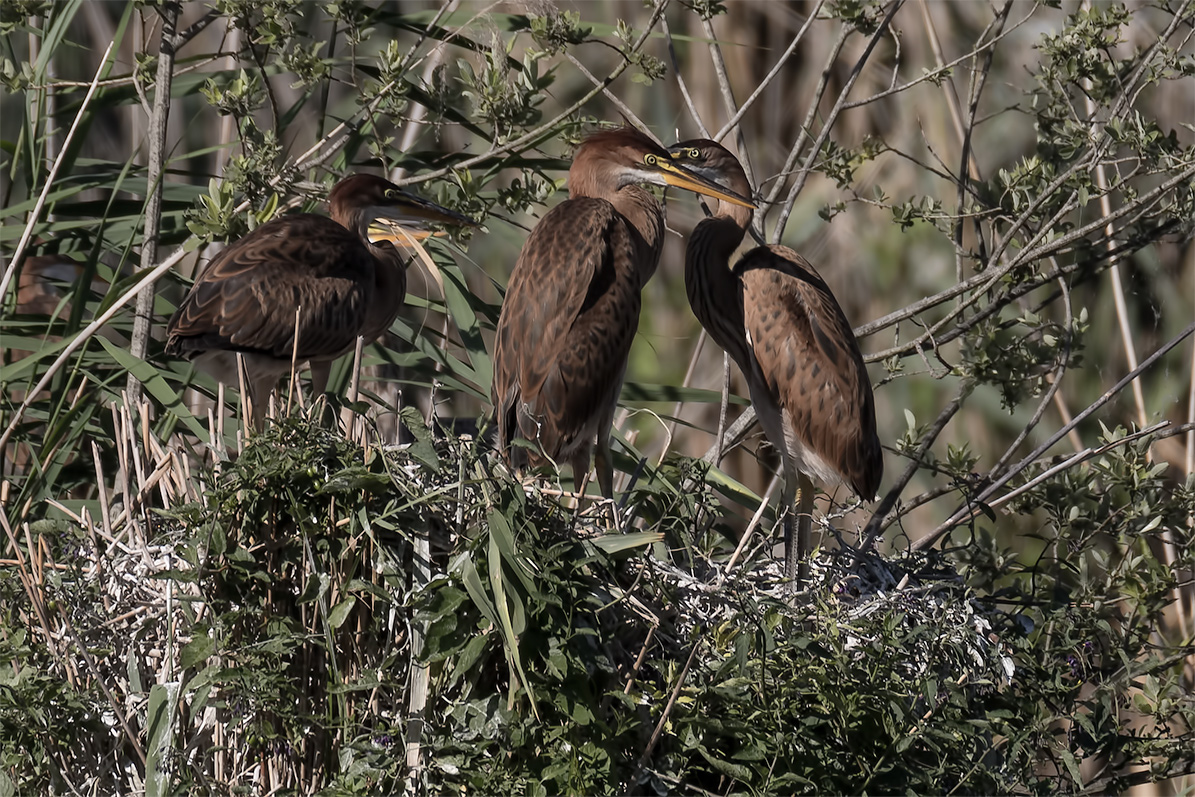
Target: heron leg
(804, 526)
(604, 464)
(319, 379)
(788, 523)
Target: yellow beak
(386, 230)
(676, 175)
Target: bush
(332, 612)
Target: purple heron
(780, 323)
(572, 305)
(330, 279)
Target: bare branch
(156, 169)
(962, 514)
(803, 175)
(755, 95)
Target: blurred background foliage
(999, 195)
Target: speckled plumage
(319, 276)
(807, 354)
(779, 321)
(572, 305)
(570, 315)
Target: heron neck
(724, 231)
(593, 178)
(354, 219)
(641, 210)
(713, 288)
(390, 287)
(645, 213)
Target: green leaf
(196, 651)
(151, 379)
(353, 479)
(727, 768)
(469, 656)
(315, 588)
(1072, 766)
(340, 612)
(458, 300)
(422, 449)
(509, 635)
(464, 565)
(617, 543)
(160, 720)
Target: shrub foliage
(363, 600)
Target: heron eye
(391, 193)
(694, 153)
(649, 159)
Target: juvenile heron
(780, 323)
(572, 305)
(330, 279)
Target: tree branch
(169, 12)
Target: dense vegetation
(1001, 197)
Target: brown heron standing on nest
(331, 280)
(572, 305)
(779, 321)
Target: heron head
(379, 205)
(626, 156)
(711, 161)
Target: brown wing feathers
(247, 298)
(563, 338)
(807, 352)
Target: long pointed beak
(399, 234)
(400, 221)
(412, 212)
(682, 177)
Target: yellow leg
(603, 464)
(804, 526)
(798, 520)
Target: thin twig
(680, 80)
(1158, 431)
(1122, 313)
(727, 92)
(533, 137)
(963, 513)
(768, 78)
(147, 278)
(655, 736)
(676, 409)
(622, 107)
(986, 280)
(876, 525)
(815, 149)
(755, 518)
(794, 152)
(1059, 371)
